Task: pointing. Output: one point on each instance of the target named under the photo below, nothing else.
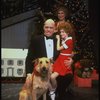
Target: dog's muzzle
(44, 71)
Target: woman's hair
(66, 27)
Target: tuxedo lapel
(43, 47)
(55, 48)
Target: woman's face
(61, 15)
(63, 34)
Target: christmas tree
(80, 18)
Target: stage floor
(11, 92)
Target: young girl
(65, 49)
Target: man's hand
(68, 62)
(58, 37)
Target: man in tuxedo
(45, 46)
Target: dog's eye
(47, 62)
(40, 62)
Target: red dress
(59, 65)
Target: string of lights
(80, 18)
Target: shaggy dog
(40, 81)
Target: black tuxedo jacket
(36, 50)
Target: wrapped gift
(95, 76)
(94, 71)
(82, 82)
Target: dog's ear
(51, 60)
(35, 62)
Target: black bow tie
(50, 37)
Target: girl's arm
(59, 47)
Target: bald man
(43, 46)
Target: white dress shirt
(49, 47)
